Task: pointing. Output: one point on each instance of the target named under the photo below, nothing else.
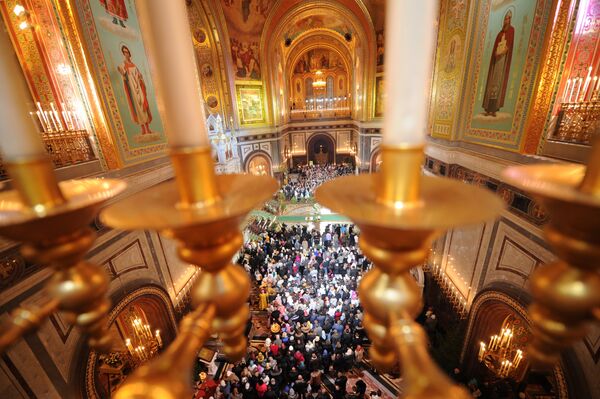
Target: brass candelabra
(203, 212)
(399, 213)
(52, 221)
(566, 292)
(500, 355)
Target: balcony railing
(66, 148)
(305, 114)
(576, 122)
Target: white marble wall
(507, 250)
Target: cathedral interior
(300, 199)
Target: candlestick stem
(193, 165)
(35, 181)
(399, 182)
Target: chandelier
(500, 356)
(144, 345)
(319, 83)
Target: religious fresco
(245, 21)
(448, 73)
(250, 104)
(317, 59)
(505, 56)
(127, 88)
(303, 23)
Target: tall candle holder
(203, 212)
(52, 221)
(566, 292)
(399, 213)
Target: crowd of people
(303, 183)
(307, 283)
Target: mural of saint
(117, 10)
(135, 91)
(498, 73)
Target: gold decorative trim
(557, 36)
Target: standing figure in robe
(117, 10)
(263, 301)
(497, 79)
(135, 91)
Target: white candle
(590, 92)
(42, 121)
(578, 89)
(587, 82)
(564, 97)
(58, 121)
(572, 89)
(19, 137)
(129, 346)
(41, 112)
(158, 338)
(410, 36)
(166, 33)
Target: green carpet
(302, 219)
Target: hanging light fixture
(500, 355)
(144, 345)
(319, 83)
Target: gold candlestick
(399, 213)
(566, 292)
(203, 212)
(51, 220)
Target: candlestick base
(60, 237)
(566, 292)
(396, 235)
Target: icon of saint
(135, 91)
(498, 73)
(117, 10)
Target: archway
(375, 161)
(152, 306)
(489, 309)
(259, 164)
(321, 149)
(345, 25)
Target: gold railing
(576, 122)
(65, 148)
(302, 114)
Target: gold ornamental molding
(558, 35)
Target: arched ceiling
(308, 21)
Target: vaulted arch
(343, 25)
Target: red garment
(299, 357)
(274, 349)
(261, 389)
(116, 8)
